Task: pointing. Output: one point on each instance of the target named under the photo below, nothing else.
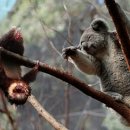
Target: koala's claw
(116, 96)
(69, 51)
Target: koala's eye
(89, 37)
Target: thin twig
(45, 114)
(67, 105)
(55, 49)
(43, 24)
(67, 90)
(7, 112)
(70, 30)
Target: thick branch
(122, 25)
(100, 96)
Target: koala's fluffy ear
(99, 25)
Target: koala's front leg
(83, 61)
(119, 98)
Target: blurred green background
(47, 27)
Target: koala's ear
(99, 25)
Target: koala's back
(115, 75)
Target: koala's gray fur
(98, 54)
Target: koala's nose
(86, 48)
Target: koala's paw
(116, 96)
(69, 51)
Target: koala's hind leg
(118, 97)
(126, 100)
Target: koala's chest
(115, 75)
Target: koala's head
(94, 39)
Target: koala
(99, 54)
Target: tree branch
(42, 112)
(67, 77)
(7, 112)
(122, 25)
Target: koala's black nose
(86, 48)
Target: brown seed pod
(15, 87)
(12, 41)
(18, 92)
